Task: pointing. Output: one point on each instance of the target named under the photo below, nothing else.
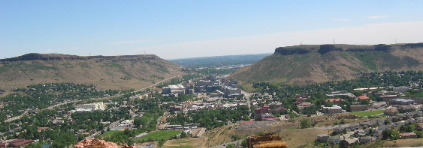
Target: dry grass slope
(309, 64)
(107, 72)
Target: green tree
(305, 123)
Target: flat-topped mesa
(47, 57)
(326, 48)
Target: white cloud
(377, 17)
(367, 34)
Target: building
(303, 105)
(335, 100)
(332, 110)
(91, 107)
(399, 101)
(20, 142)
(407, 135)
(361, 98)
(340, 93)
(174, 89)
(392, 111)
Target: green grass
(367, 113)
(156, 136)
(108, 134)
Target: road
(155, 84)
(96, 99)
(50, 107)
(247, 96)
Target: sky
(174, 29)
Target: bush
(304, 123)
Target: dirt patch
(404, 143)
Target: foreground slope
(107, 72)
(320, 63)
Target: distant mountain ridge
(107, 72)
(217, 61)
(305, 64)
(45, 57)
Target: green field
(367, 113)
(156, 136)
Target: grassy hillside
(321, 63)
(108, 72)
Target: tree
(305, 123)
(390, 134)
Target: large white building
(174, 89)
(91, 107)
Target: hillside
(107, 72)
(320, 63)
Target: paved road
(155, 84)
(247, 96)
(50, 107)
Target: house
(176, 108)
(39, 129)
(361, 98)
(20, 142)
(406, 109)
(392, 111)
(335, 100)
(379, 105)
(303, 105)
(407, 135)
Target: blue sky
(191, 28)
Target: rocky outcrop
(97, 143)
(326, 48)
(269, 140)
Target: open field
(185, 143)
(108, 134)
(404, 143)
(367, 113)
(159, 135)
